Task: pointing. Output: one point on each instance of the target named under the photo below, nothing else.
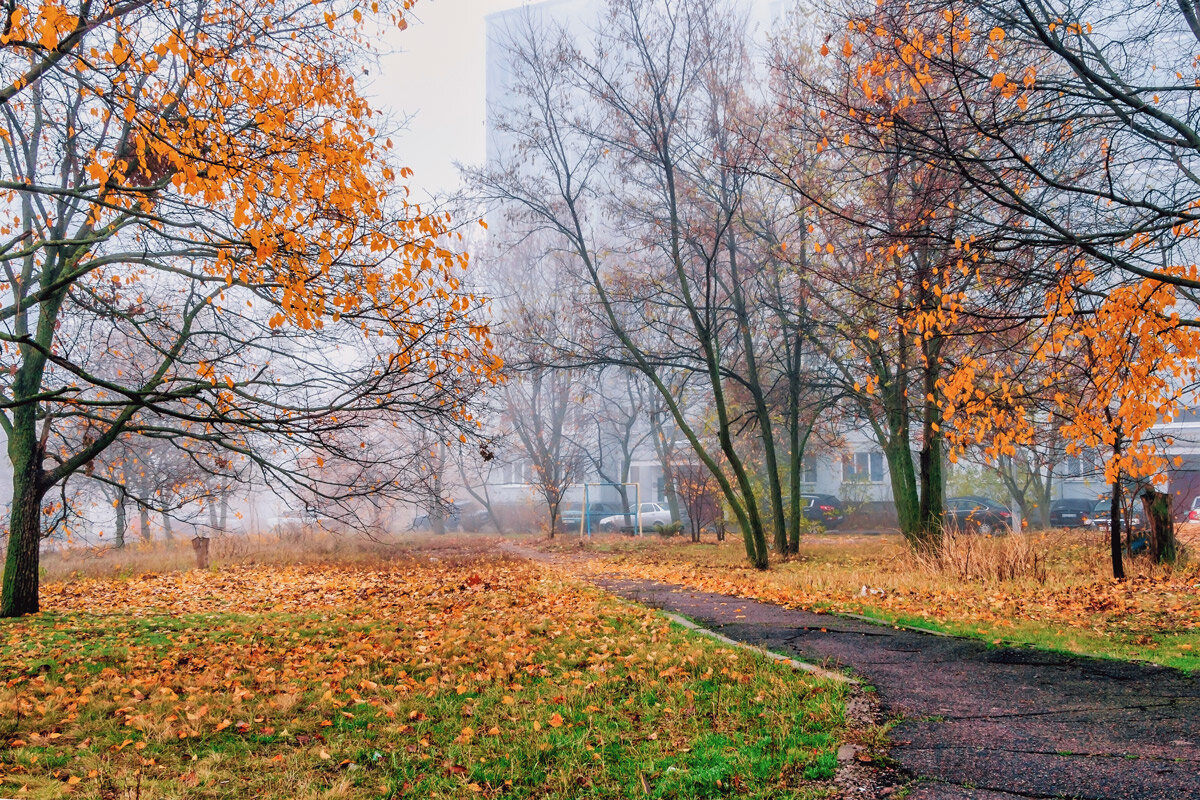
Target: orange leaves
(295, 671)
(996, 34)
(998, 80)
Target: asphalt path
(980, 722)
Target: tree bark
(1114, 531)
(200, 545)
(1157, 506)
(119, 533)
(144, 522)
(20, 590)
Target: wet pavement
(982, 723)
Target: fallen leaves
(274, 678)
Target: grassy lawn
(448, 677)
(1051, 590)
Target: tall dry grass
(295, 546)
(964, 556)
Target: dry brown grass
(299, 546)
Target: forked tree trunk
(168, 534)
(933, 480)
(904, 490)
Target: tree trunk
(904, 490)
(19, 593)
(797, 444)
(168, 534)
(1114, 531)
(144, 522)
(1157, 506)
(933, 500)
(933, 479)
(669, 492)
(119, 533)
(20, 590)
(665, 453)
(1045, 502)
(200, 545)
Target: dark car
(1101, 514)
(478, 521)
(1071, 513)
(571, 517)
(451, 514)
(823, 508)
(977, 515)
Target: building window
(808, 470)
(862, 467)
(1074, 467)
(521, 472)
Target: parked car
(1101, 515)
(977, 515)
(571, 516)
(451, 517)
(654, 515)
(477, 520)
(823, 508)
(1190, 520)
(1071, 513)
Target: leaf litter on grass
(477, 677)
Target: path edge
(788, 660)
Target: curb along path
(986, 723)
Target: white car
(652, 514)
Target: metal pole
(637, 494)
(583, 516)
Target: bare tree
(540, 407)
(622, 138)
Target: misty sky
(436, 74)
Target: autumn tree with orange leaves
(203, 238)
(899, 289)
(1073, 125)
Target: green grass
(1157, 647)
(551, 690)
